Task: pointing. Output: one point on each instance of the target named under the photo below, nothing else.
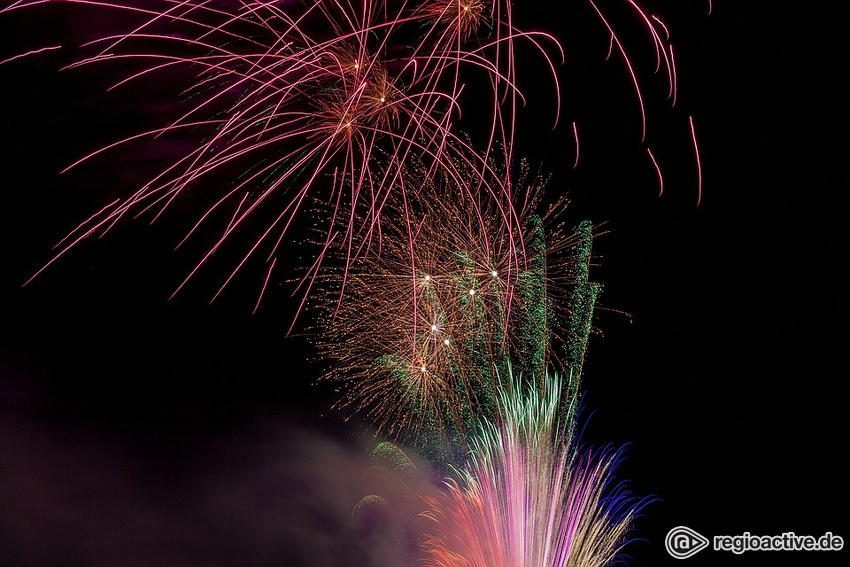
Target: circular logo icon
(683, 542)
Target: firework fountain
(529, 495)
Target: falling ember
(658, 171)
(575, 136)
(265, 283)
(696, 154)
(674, 79)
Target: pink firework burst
(308, 100)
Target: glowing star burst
(461, 17)
(298, 98)
(424, 328)
(529, 496)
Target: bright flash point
(427, 278)
(471, 292)
(445, 341)
(494, 273)
(433, 327)
(422, 368)
(382, 99)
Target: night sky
(135, 430)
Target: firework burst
(529, 496)
(424, 328)
(460, 18)
(298, 98)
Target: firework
(425, 327)
(298, 98)
(528, 496)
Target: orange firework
(425, 326)
(463, 17)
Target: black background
(727, 381)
